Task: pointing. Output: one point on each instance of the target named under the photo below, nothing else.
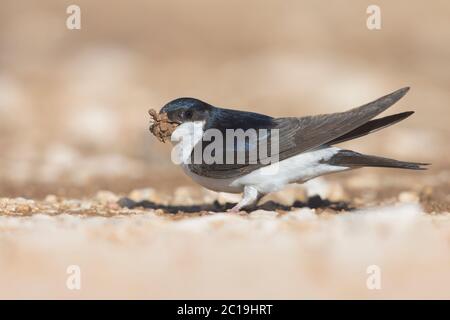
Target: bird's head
(183, 110)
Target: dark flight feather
(372, 126)
(298, 135)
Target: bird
(306, 146)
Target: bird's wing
(301, 134)
(372, 126)
(295, 135)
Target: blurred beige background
(74, 122)
(73, 103)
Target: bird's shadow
(314, 202)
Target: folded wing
(297, 135)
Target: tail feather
(372, 126)
(348, 158)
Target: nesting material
(160, 125)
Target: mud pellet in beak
(160, 126)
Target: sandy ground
(306, 248)
(83, 183)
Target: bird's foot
(235, 209)
(238, 208)
(249, 200)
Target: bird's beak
(160, 125)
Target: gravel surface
(153, 244)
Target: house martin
(304, 147)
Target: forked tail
(348, 158)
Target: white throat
(184, 139)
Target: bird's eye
(188, 114)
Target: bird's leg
(249, 199)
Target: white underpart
(274, 177)
(297, 169)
